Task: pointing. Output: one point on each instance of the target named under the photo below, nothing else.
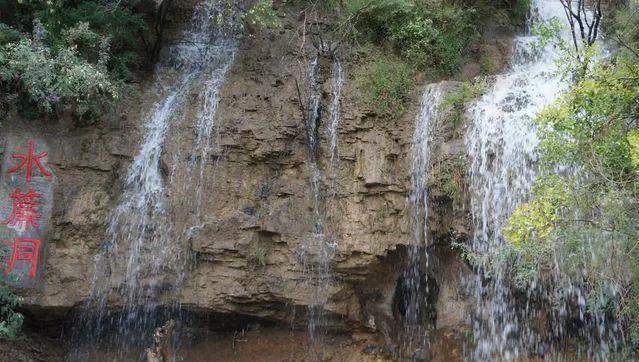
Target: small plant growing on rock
(262, 15)
(457, 101)
(54, 78)
(453, 179)
(388, 86)
(520, 9)
(258, 259)
(487, 65)
(10, 320)
(429, 35)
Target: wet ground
(259, 344)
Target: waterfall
(315, 271)
(141, 227)
(313, 118)
(333, 126)
(420, 154)
(502, 144)
(316, 252)
(205, 121)
(414, 278)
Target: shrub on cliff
(262, 15)
(457, 101)
(586, 216)
(10, 320)
(50, 78)
(59, 56)
(389, 85)
(430, 35)
(436, 39)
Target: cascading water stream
(316, 271)
(421, 160)
(205, 122)
(333, 126)
(312, 123)
(502, 143)
(415, 287)
(141, 226)
(317, 251)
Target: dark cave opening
(415, 296)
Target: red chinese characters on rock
(28, 205)
(28, 160)
(24, 210)
(24, 249)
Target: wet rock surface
(257, 206)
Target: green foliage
(374, 18)
(465, 252)
(258, 259)
(262, 15)
(453, 179)
(520, 9)
(8, 34)
(576, 59)
(121, 25)
(118, 22)
(59, 56)
(633, 143)
(328, 5)
(631, 312)
(623, 26)
(458, 100)
(526, 262)
(487, 65)
(434, 42)
(429, 35)
(416, 40)
(10, 320)
(388, 86)
(534, 220)
(548, 32)
(590, 123)
(588, 218)
(51, 80)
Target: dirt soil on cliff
(31, 348)
(260, 345)
(268, 344)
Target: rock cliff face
(257, 205)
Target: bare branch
(584, 21)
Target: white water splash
(141, 226)
(421, 162)
(316, 251)
(502, 145)
(333, 126)
(314, 270)
(414, 279)
(205, 122)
